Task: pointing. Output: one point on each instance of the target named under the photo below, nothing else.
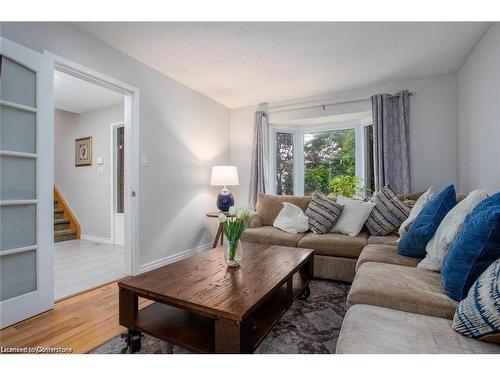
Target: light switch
(100, 169)
(144, 160)
(100, 161)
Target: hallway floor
(81, 265)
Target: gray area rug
(310, 326)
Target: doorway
(105, 250)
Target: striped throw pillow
(323, 213)
(388, 214)
(478, 315)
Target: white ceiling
(242, 63)
(78, 96)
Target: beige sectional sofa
(393, 307)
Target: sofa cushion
(271, 235)
(377, 330)
(334, 244)
(476, 247)
(401, 288)
(385, 254)
(323, 213)
(334, 268)
(388, 214)
(413, 243)
(269, 206)
(383, 240)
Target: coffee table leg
(306, 292)
(133, 340)
(232, 336)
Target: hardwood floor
(82, 323)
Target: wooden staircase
(66, 227)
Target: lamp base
(225, 200)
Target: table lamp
(224, 175)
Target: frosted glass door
(26, 286)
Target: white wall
(242, 122)
(183, 132)
(85, 189)
(433, 124)
(479, 115)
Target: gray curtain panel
(257, 177)
(391, 143)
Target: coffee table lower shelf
(196, 333)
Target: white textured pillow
(417, 207)
(353, 216)
(291, 219)
(448, 230)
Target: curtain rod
(327, 104)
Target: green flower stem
(233, 229)
(232, 250)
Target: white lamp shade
(224, 175)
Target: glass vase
(233, 253)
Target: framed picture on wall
(83, 151)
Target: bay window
(327, 158)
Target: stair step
(67, 237)
(64, 232)
(58, 210)
(62, 221)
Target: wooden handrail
(74, 224)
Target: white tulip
(232, 210)
(222, 217)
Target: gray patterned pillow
(323, 213)
(388, 214)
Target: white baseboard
(88, 237)
(173, 258)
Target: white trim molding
(131, 121)
(88, 237)
(173, 258)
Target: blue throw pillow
(478, 315)
(413, 243)
(476, 247)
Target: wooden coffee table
(205, 307)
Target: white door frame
(41, 299)
(131, 123)
(113, 171)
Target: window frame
(298, 149)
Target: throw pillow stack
(424, 226)
(463, 242)
(448, 230)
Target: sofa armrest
(253, 220)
